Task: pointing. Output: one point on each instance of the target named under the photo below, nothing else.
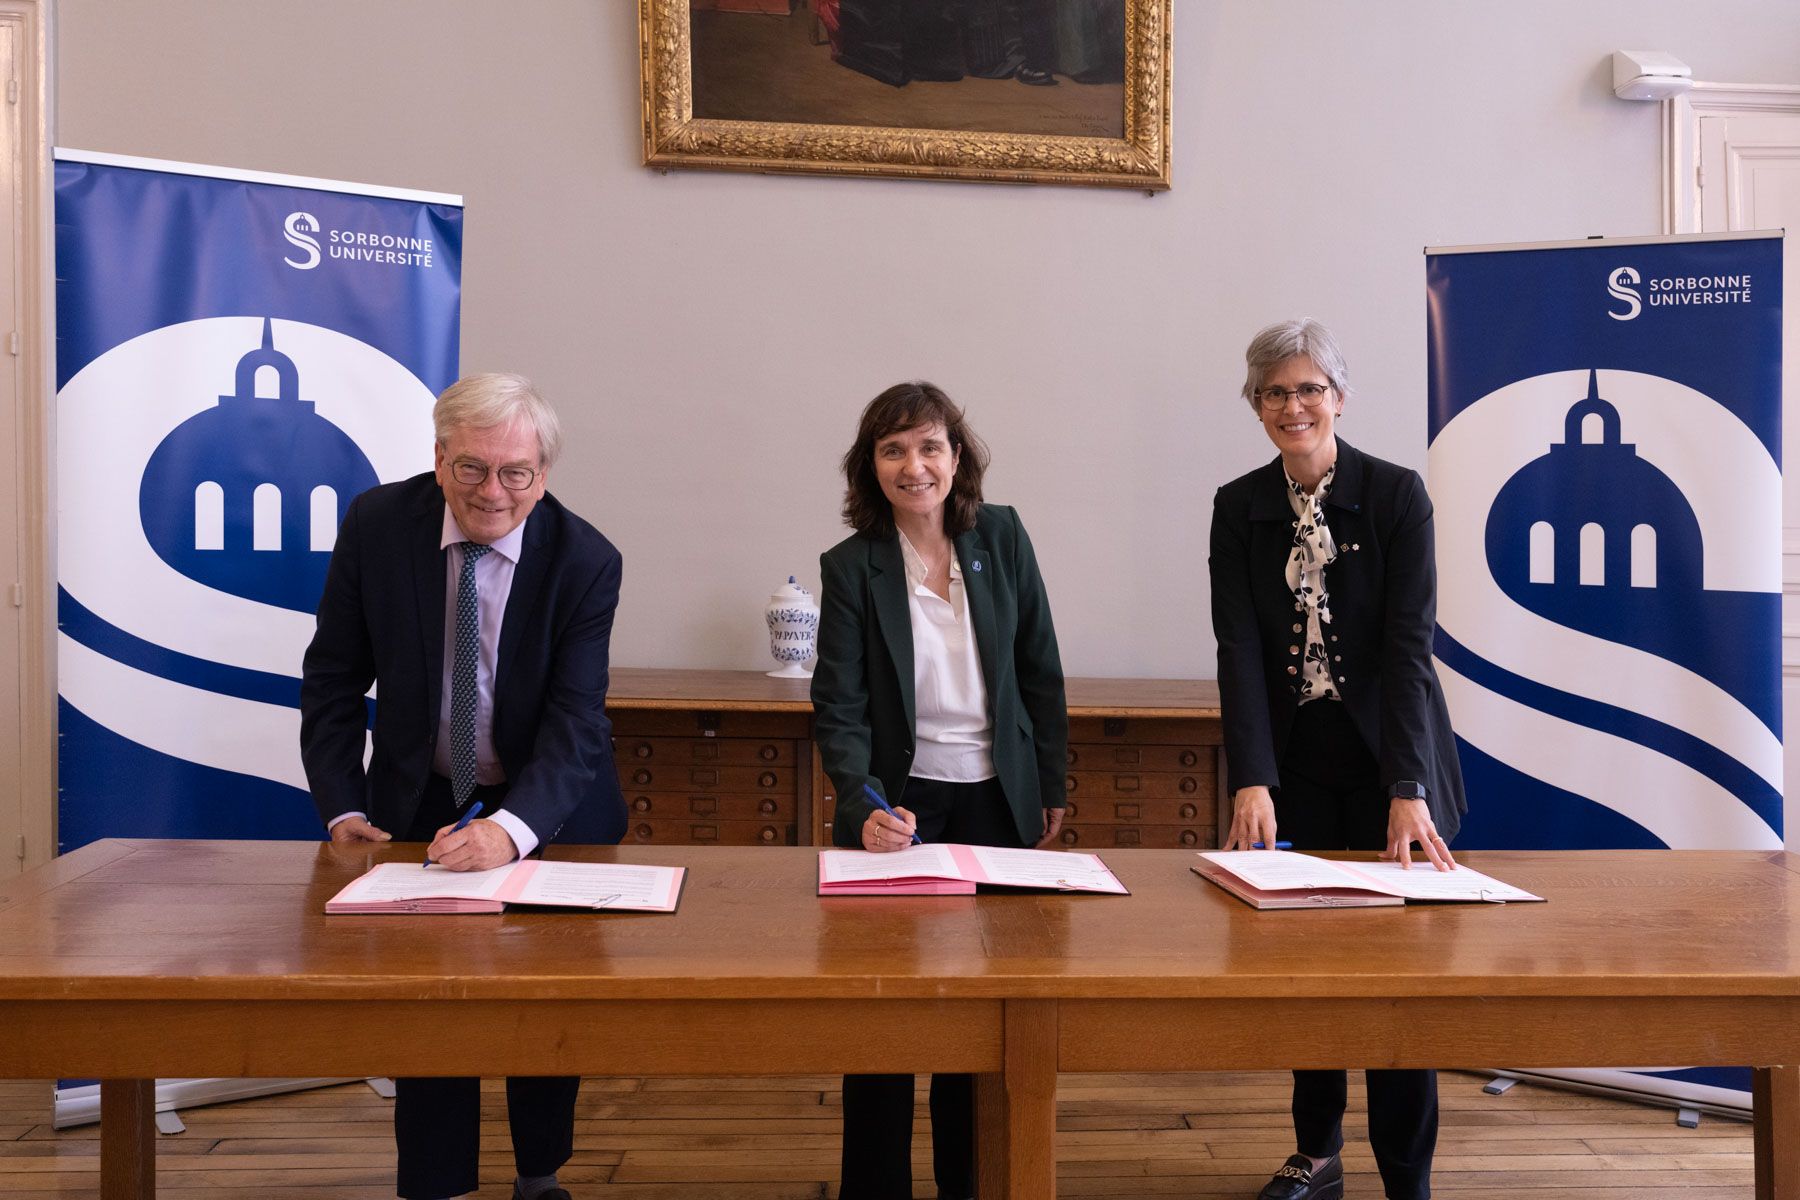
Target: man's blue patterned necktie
(462, 676)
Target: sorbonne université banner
(1605, 462)
(238, 356)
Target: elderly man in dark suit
(482, 609)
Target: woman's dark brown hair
(908, 406)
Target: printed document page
(415, 881)
(1426, 882)
(1286, 870)
(599, 885)
(932, 860)
(1281, 870)
(1044, 869)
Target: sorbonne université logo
(1608, 565)
(204, 468)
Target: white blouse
(954, 736)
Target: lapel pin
(975, 566)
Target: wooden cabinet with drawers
(701, 768)
(1142, 781)
(726, 757)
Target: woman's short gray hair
(484, 401)
(1286, 339)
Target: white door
(1748, 177)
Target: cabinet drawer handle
(641, 776)
(768, 833)
(766, 807)
(643, 832)
(767, 779)
(1073, 756)
(1189, 784)
(642, 804)
(1189, 758)
(1070, 837)
(1070, 783)
(1189, 812)
(1189, 837)
(768, 753)
(643, 750)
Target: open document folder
(394, 887)
(1284, 879)
(946, 869)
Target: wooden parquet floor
(1197, 1137)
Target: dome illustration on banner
(246, 497)
(1595, 569)
(216, 459)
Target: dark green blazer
(862, 689)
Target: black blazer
(382, 621)
(862, 689)
(1383, 589)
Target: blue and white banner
(1605, 424)
(238, 356)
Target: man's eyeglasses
(1275, 398)
(470, 473)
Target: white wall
(711, 337)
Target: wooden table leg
(1775, 1097)
(127, 1139)
(1016, 1112)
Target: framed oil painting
(1016, 91)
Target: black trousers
(878, 1109)
(437, 1121)
(1331, 798)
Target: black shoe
(1035, 77)
(1298, 1181)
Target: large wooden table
(129, 960)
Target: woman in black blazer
(939, 688)
(1336, 733)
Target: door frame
(34, 783)
(1681, 139)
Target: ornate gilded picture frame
(1014, 91)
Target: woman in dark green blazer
(938, 688)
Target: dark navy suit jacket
(381, 621)
(1383, 592)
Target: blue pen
(473, 811)
(884, 806)
(1278, 845)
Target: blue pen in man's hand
(469, 814)
(1278, 845)
(875, 799)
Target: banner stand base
(1687, 1099)
(81, 1105)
